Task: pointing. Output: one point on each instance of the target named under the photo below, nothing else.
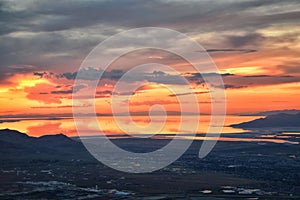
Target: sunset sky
(255, 44)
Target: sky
(255, 45)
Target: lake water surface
(38, 127)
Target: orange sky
(258, 81)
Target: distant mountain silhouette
(13, 136)
(56, 140)
(16, 145)
(273, 112)
(272, 121)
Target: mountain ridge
(280, 120)
(16, 145)
(272, 112)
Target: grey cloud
(43, 49)
(163, 78)
(63, 15)
(78, 87)
(188, 93)
(228, 86)
(290, 68)
(7, 72)
(105, 92)
(124, 93)
(244, 40)
(61, 33)
(232, 81)
(39, 74)
(258, 80)
(231, 50)
(68, 75)
(69, 91)
(62, 92)
(85, 74)
(199, 76)
(92, 74)
(115, 75)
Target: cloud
(152, 102)
(235, 81)
(62, 92)
(59, 107)
(39, 74)
(7, 72)
(8, 120)
(165, 79)
(105, 92)
(188, 93)
(55, 34)
(290, 68)
(227, 86)
(248, 39)
(51, 93)
(92, 74)
(231, 81)
(68, 91)
(231, 50)
(63, 15)
(238, 81)
(198, 78)
(40, 93)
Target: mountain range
(273, 112)
(281, 120)
(19, 146)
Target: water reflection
(231, 139)
(38, 127)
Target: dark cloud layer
(231, 50)
(56, 36)
(244, 40)
(231, 81)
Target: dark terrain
(278, 120)
(58, 167)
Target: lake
(48, 126)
